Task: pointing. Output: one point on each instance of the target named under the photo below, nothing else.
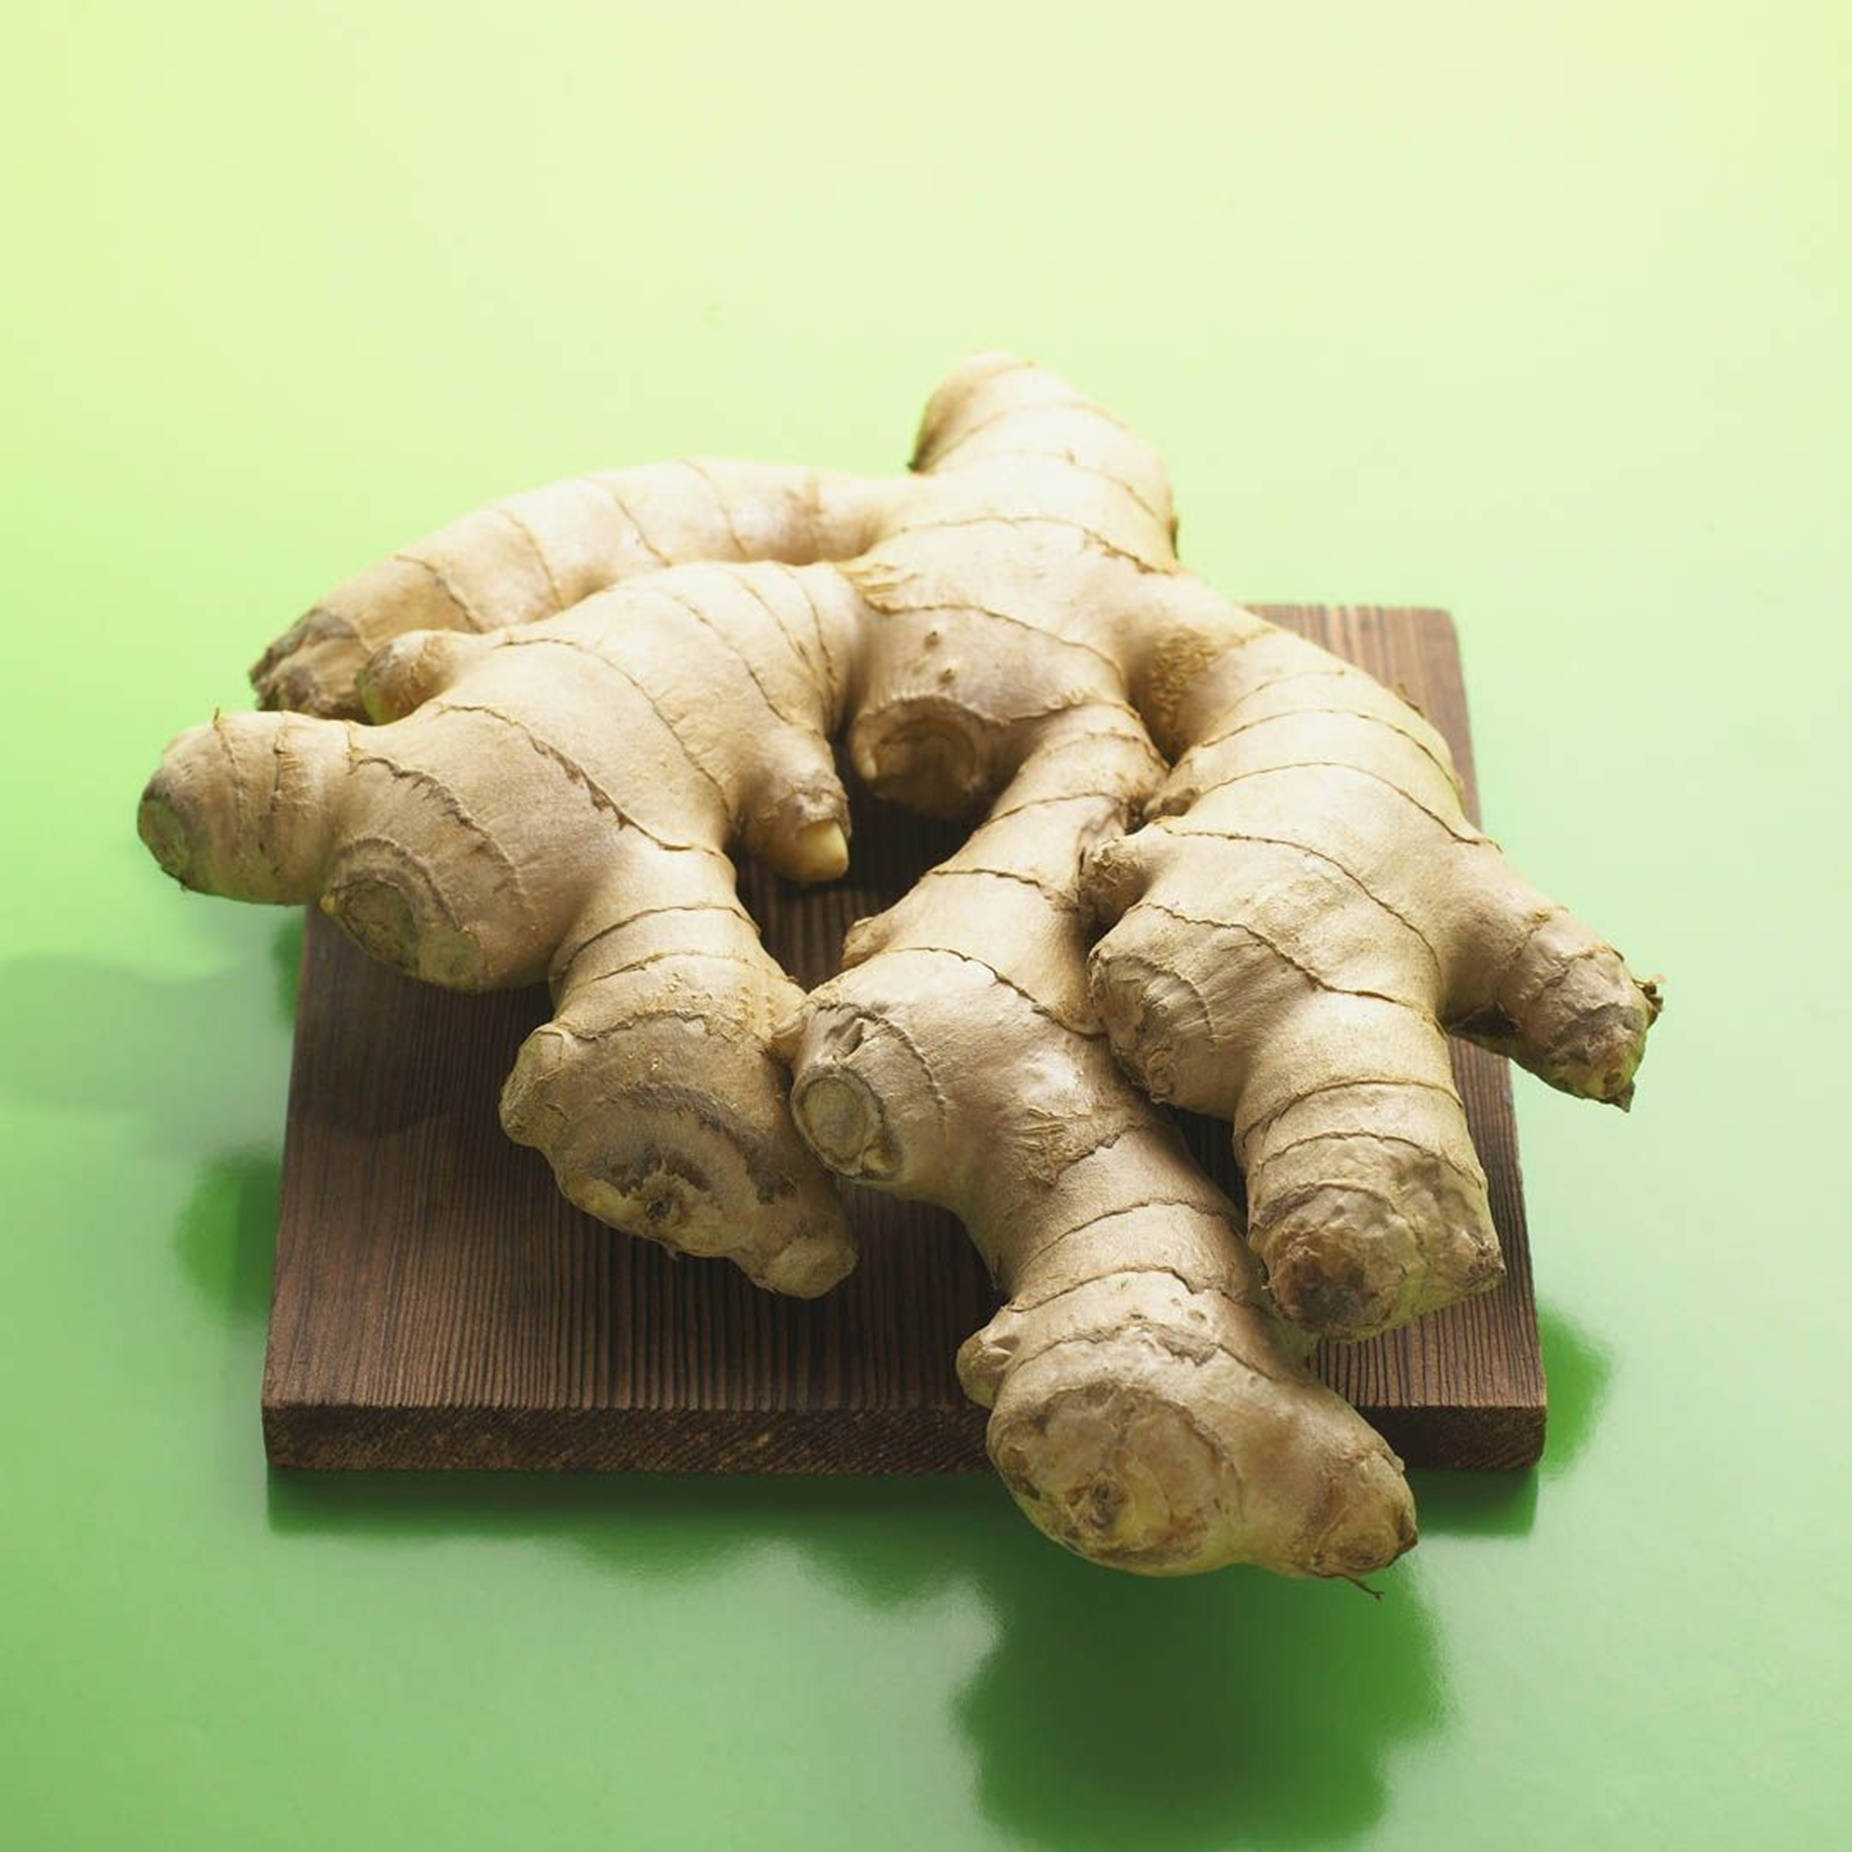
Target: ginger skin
(554, 801)
(1307, 913)
(1149, 1409)
(578, 702)
(1306, 916)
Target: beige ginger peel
(1215, 861)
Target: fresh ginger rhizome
(1215, 865)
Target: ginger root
(526, 746)
(554, 801)
(1149, 1409)
(1307, 915)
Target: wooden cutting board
(438, 1304)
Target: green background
(1539, 312)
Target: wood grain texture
(438, 1304)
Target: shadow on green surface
(188, 1056)
(286, 962)
(1110, 1712)
(1578, 1371)
(1462, 1504)
(1184, 1714)
(225, 1236)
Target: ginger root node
(841, 1117)
(164, 832)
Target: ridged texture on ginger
(554, 801)
(526, 745)
(538, 554)
(1306, 916)
(1308, 912)
(1149, 1410)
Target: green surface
(1538, 312)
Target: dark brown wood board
(438, 1304)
